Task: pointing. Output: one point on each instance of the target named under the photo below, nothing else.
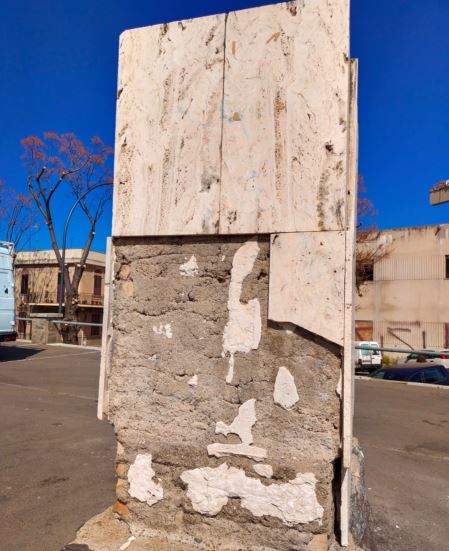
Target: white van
(368, 360)
(7, 306)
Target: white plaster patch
(294, 502)
(127, 543)
(243, 330)
(338, 387)
(140, 478)
(193, 381)
(242, 424)
(189, 268)
(285, 393)
(163, 329)
(225, 450)
(264, 470)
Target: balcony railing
(90, 299)
(51, 297)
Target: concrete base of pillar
(106, 532)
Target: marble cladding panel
(234, 123)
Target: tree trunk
(70, 332)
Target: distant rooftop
(407, 228)
(72, 256)
(442, 184)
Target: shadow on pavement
(10, 353)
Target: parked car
(367, 360)
(7, 308)
(434, 373)
(431, 356)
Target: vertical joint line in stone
(222, 115)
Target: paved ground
(56, 458)
(404, 431)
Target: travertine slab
(307, 276)
(285, 118)
(348, 357)
(267, 156)
(169, 128)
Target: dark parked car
(435, 374)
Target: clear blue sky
(58, 65)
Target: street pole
(64, 240)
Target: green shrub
(388, 361)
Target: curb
(425, 385)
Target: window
(58, 287)
(367, 271)
(24, 284)
(96, 318)
(432, 375)
(97, 284)
(364, 330)
(447, 266)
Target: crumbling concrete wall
(251, 461)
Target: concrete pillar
(43, 330)
(233, 240)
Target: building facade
(407, 301)
(37, 287)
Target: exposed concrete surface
(56, 460)
(189, 428)
(403, 431)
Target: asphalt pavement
(404, 433)
(56, 458)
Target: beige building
(407, 301)
(37, 278)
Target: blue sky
(58, 70)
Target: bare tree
(369, 248)
(62, 161)
(17, 217)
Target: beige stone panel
(168, 133)
(285, 118)
(349, 288)
(307, 281)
